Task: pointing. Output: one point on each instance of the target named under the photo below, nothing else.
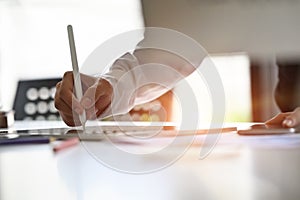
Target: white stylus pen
(76, 74)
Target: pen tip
(83, 127)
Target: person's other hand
(288, 119)
(97, 97)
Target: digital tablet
(262, 129)
(90, 133)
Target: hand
(288, 119)
(97, 97)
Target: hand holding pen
(81, 97)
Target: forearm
(143, 76)
(160, 60)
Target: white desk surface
(239, 167)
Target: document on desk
(99, 127)
(197, 138)
(152, 135)
(157, 138)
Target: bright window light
(234, 70)
(33, 36)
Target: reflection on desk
(239, 167)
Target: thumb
(93, 94)
(293, 119)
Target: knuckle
(58, 88)
(58, 85)
(62, 92)
(104, 88)
(69, 122)
(67, 75)
(107, 85)
(57, 104)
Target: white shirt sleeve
(157, 64)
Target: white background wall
(34, 44)
(256, 26)
(33, 35)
